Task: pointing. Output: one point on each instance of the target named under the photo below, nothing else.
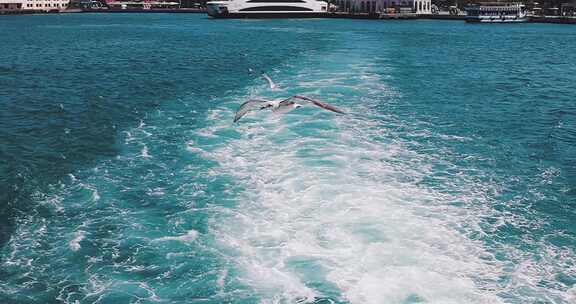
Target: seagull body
(281, 105)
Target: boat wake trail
(335, 208)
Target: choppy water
(123, 180)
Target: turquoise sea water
(123, 179)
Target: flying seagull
(281, 106)
(271, 83)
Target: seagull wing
(317, 103)
(249, 106)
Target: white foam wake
(333, 208)
(74, 244)
(186, 238)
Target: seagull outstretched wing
(250, 105)
(317, 103)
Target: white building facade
(9, 6)
(44, 5)
(420, 7)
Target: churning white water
(335, 207)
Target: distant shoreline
(341, 15)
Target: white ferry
(496, 12)
(267, 8)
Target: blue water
(452, 179)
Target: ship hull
(288, 10)
(265, 15)
(497, 20)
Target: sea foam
(331, 201)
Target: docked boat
(267, 9)
(496, 12)
(142, 5)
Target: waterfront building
(568, 9)
(44, 5)
(11, 6)
(143, 5)
(87, 4)
(419, 7)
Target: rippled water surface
(452, 179)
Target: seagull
(271, 83)
(281, 106)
